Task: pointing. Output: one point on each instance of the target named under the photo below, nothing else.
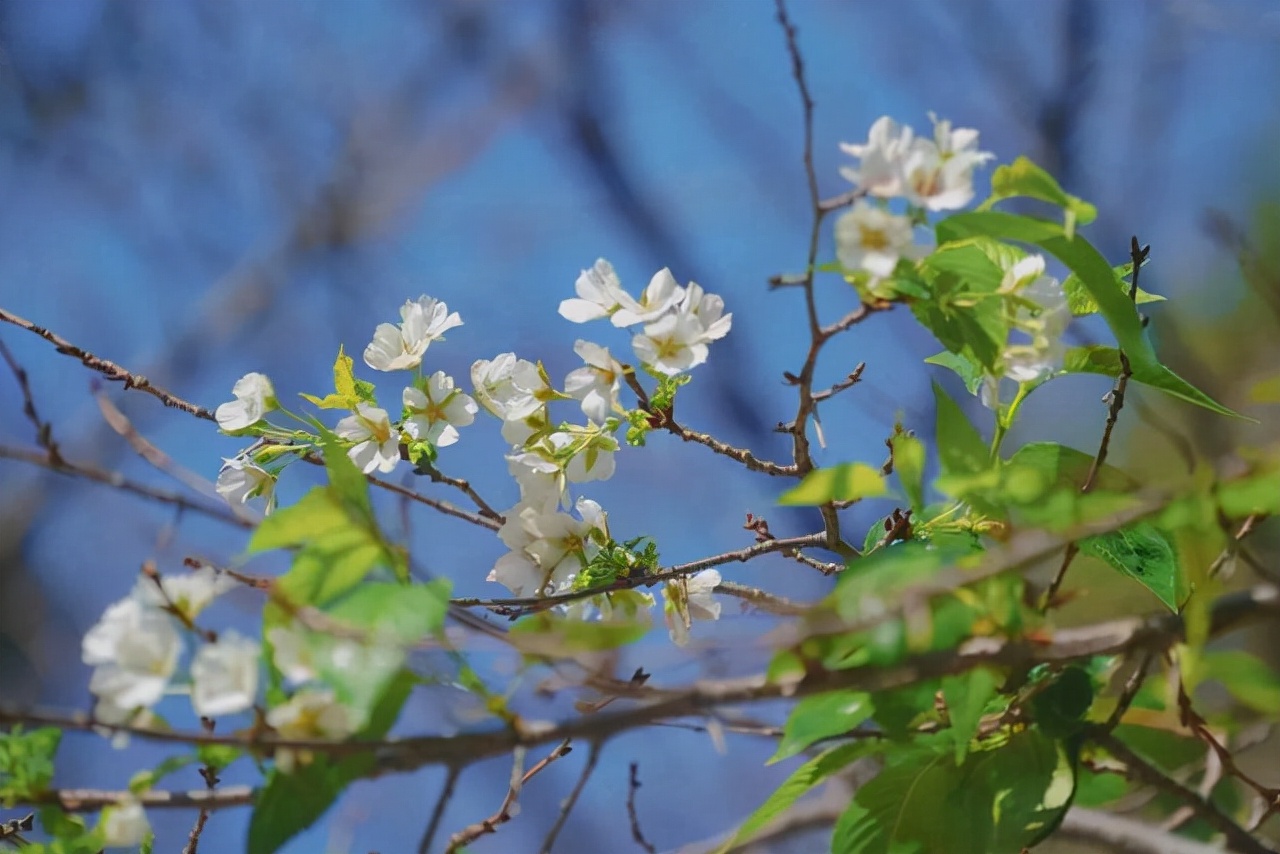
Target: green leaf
(1256, 493)
(396, 613)
(290, 803)
(331, 565)
(316, 512)
(553, 635)
(822, 716)
(1068, 467)
(969, 261)
(1246, 677)
(1098, 278)
(1059, 709)
(1025, 178)
(908, 464)
(967, 696)
(801, 781)
(1081, 301)
(960, 447)
(845, 482)
(1094, 359)
(967, 368)
(26, 763)
(1143, 553)
(347, 481)
(998, 801)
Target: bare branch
(593, 755)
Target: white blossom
(708, 309)
(672, 344)
(880, 172)
(592, 453)
(135, 650)
(688, 600)
(293, 653)
(542, 483)
(188, 592)
(124, 825)
(240, 479)
(376, 446)
(224, 676)
(870, 238)
(437, 410)
(598, 383)
(548, 548)
(254, 398)
(396, 348)
(600, 294)
(938, 173)
(661, 294)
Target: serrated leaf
(822, 716)
(844, 482)
(1143, 553)
(801, 781)
(964, 366)
(1081, 302)
(1024, 178)
(967, 695)
(960, 447)
(1099, 279)
(1094, 359)
(999, 801)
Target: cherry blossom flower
(293, 653)
(240, 479)
(938, 173)
(376, 446)
(135, 650)
(672, 344)
(596, 385)
(224, 676)
(189, 592)
(396, 348)
(709, 310)
(124, 825)
(870, 238)
(600, 294)
(661, 294)
(436, 410)
(309, 713)
(880, 172)
(254, 398)
(548, 548)
(688, 600)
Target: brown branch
(211, 781)
(110, 370)
(741, 455)
(518, 606)
(467, 489)
(44, 429)
(491, 824)
(633, 786)
(115, 480)
(437, 813)
(1138, 768)
(1115, 399)
(92, 800)
(593, 755)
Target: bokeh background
(201, 189)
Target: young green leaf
(1081, 301)
(821, 716)
(960, 448)
(964, 365)
(908, 464)
(1024, 178)
(845, 482)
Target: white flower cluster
(135, 647)
(1038, 314)
(931, 174)
(678, 323)
(433, 411)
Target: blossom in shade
(870, 238)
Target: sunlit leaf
(822, 716)
(845, 482)
(1081, 301)
(1024, 178)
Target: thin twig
(115, 480)
(1237, 837)
(108, 369)
(1131, 687)
(633, 786)
(593, 754)
(518, 778)
(518, 606)
(1115, 399)
(437, 813)
(44, 429)
(211, 780)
